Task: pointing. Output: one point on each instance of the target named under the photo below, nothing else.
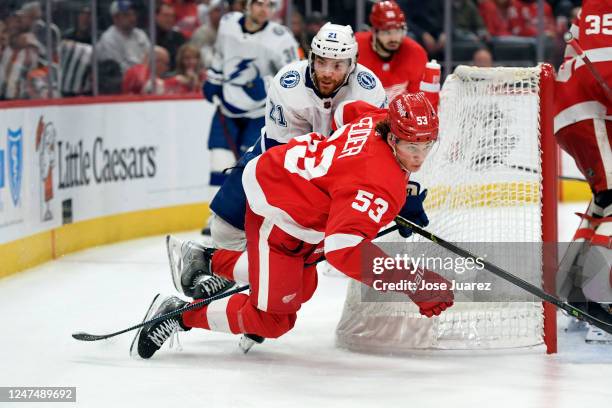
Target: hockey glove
(436, 297)
(413, 208)
(210, 90)
(256, 89)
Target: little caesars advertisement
(63, 164)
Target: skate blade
(173, 247)
(157, 301)
(247, 342)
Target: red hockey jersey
(578, 96)
(403, 72)
(524, 21)
(340, 189)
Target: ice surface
(108, 288)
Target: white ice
(105, 289)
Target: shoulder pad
(366, 80)
(279, 30)
(290, 79)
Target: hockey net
(491, 180)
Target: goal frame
(550, 197)
(367, 325)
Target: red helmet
(386, 15)
(412, 118)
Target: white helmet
(247, 6)
(334, 41)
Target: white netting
(484, 182)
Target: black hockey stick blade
(534, 290)
(82, 336)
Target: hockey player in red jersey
(397, 60)
(316, 193)
(583, 128)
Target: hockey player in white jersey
(303, 97)
(305, 94)
(249, 51)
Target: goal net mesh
(485, 182)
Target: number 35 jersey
(295, 107)
(340, 189)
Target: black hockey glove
(413, 208)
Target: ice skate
(247, 341)
(190, 265)
(150, 338)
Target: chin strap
(392, 145)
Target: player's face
(261, 11)
(412, 155)
(329, 73)
(390, 39)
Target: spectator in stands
(190, 73)
(515, 18)
(204, 37)
(467, 22)
(564, 7)
(211, 11)
(136, 80)
(4, 37)
(526, 24)
(167, 35)
(81, 31)
(298, 28)
(75, 63)
(123, 42)
(482, 58)
(425, 20)
(187, 20)
(314, 22)
(237, 5)
(14, 24)
(19, 57)
(32, 21)
(110, 77)
(497, 15)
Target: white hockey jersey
(244, 63)
(294, 107)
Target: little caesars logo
(78, 166)
(45, 147)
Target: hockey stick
(534, 290)
(226, 133)
(573, 42)
(83, 336)
(95, 337)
